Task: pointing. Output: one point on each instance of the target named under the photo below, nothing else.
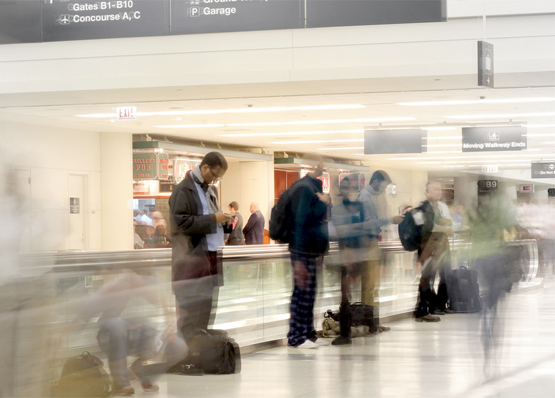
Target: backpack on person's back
(416, 221)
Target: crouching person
(120, 338)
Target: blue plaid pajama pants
(301, 323)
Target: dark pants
(301, 323)
(433, 257)
(347, 276)
(195, 299)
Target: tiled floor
(444, 359)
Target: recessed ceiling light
(502, 115)
(340, 149)
(236, 110)
(302, 122)
(313, 142)
(293, 133)
(481, 101)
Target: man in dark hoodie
(309, 241)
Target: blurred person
(254, 230)
(158, 219)
(497, 262)
(348, 218)
(236, 226)
(160, 237)
(197, 233)
(370, 276)
(148, 235)
(433, 255)
(139, 244)
(143, 218)
(120, 338)
(308, 243)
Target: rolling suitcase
(464, 292)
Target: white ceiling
(61, 110)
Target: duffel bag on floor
(214, 352)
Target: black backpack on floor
(214, 352)
(83, 376)
(365, 315)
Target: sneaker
(439, 312)
(449, 311)
(382, 329)
(125, 391)
(147, 387)
(321, 342)
(428, 318)
(341, 340)
(308, 345)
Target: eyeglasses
(215, 177)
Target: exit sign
(126, 113)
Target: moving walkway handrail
(93, 261)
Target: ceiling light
(481, 101)
(452, 167)
(340, 149)
(502, 115)
(301, 122)
(313, 142)
(238, 110)
(293, 133)
(178, 126)
(438, 128)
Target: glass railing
(253, 303)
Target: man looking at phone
(197, 231)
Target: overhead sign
(126, 113)
(485, 64)
(485, 186)
(393, 141)
(543, 170)
(211, 16)
(325, 13)
(497, 138)
(27, 21)
(92, 19)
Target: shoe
(428, 318)
(449, 311)
(382, 329)
(438, 312)
(321, 342)
(147, 387)
(308, 345)
(340, 340)
(125, 391)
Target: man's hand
(324, 197)
(221, 217)
(301, 275)
(398, 219)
